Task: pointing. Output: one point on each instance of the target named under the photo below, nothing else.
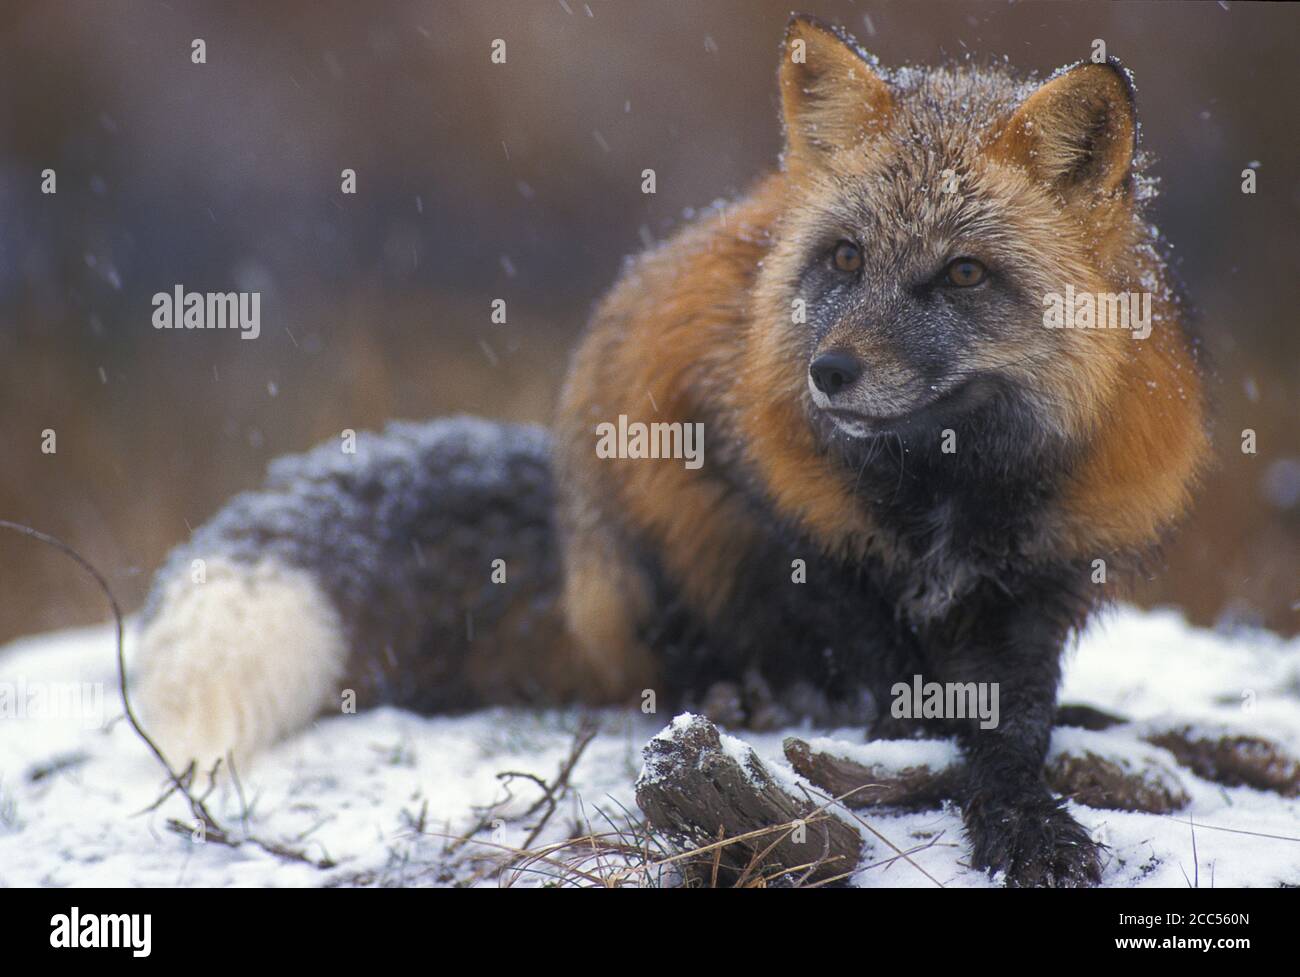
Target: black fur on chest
(959, 551)
(960, 503)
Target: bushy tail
(355, 579)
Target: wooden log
(714, 797)
(1098, 781)
(1087, 717)
(1087, 777)
(1232, 760)
(859, 785)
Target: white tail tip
(235, 659)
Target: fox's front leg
(1013, 821)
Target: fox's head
(928, 213)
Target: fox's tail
(355, 578)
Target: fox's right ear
(831, 97)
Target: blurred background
(518, 181)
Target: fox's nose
(834, 371)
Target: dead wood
(701, 794)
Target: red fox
(906, 468)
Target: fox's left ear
(831, 98)
(1077, 132)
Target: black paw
(1033, 840)
(753, 703)
(749, 704)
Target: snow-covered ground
(384, 794)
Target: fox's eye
(848, 257)
(965, 272)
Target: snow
(890, 755)
(77, 788)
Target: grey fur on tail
(394, 546)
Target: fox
(903, 470)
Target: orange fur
(690, 334)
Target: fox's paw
(754, 704)
(1033, 840)
(235, 659)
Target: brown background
(521, 182)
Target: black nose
(834, 371)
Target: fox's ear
(1077, 132)
(831, 98)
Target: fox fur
(943, 513)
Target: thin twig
(211, 828)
